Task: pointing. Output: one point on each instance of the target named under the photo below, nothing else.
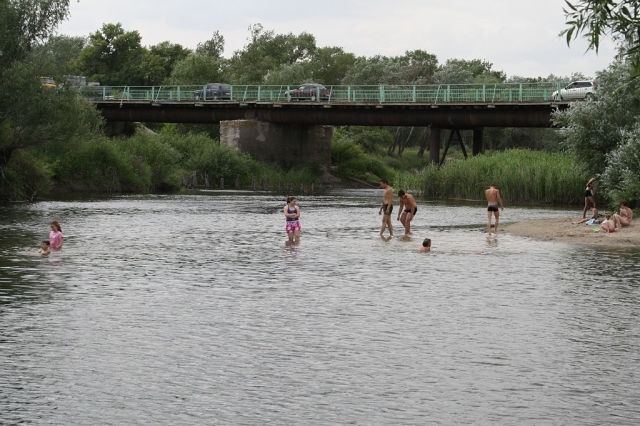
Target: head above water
(290, 199)
(426, 242)
(56, 225)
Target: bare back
(493, 196)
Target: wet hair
(426, 242)
(290, 199)
(46, 242)
(624, 203)
(57, 225)
(386, 182)
(401, 193)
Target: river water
(191, 309)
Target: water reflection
(193, 309)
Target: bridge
(263, 119)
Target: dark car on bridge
(213, 91)
(309, 91)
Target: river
(191, 309)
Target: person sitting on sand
(608, 225)
(593, 220)
(426, 245)
(623, 218)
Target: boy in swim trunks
(494, 201)
(407, 210)
(426, 246)
(386, 207)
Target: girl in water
(292, 214)
(55, 236)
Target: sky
(519, 37)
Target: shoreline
(565, 230)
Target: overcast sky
(519, 37)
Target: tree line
(43, 130)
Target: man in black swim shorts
(407, 211)
(386, 208)
(494, 201)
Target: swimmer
(426, 246)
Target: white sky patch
(519, 37)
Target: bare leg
(407, 225)
(386, 223)
(488, 222)
(497, 213)
(403, 221)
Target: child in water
(292, 214)
(426, 245)
(55, 236)
(44, 248)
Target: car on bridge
(309, 91)
(576, 90)
(47, 82)
(213, 91)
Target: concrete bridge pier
(283, 144)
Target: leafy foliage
(603, 136)
(597, 18)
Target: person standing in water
(407, 210)
(494, 201)
(386, 208)
(292, 214)
(55, 236)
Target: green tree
(595, 19)
(462, 71)
(114, 57)
(58, 52)
(598, 133)
(204, 65)
(418, 67)
(329, 65)
(373, 71)
(213, 47)
(267, 52)
(23, 23)
(161, 59)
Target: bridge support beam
(478, 147)
(434, 145)
(283, 144)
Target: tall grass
(523, 176)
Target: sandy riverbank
(565, 230)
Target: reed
(523, 176)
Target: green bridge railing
(379, 94)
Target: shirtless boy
(494, 200)
(407, 210)
(386, 207)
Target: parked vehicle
(47, 82)
(213, 91)
(576, 90)
(309, 91)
